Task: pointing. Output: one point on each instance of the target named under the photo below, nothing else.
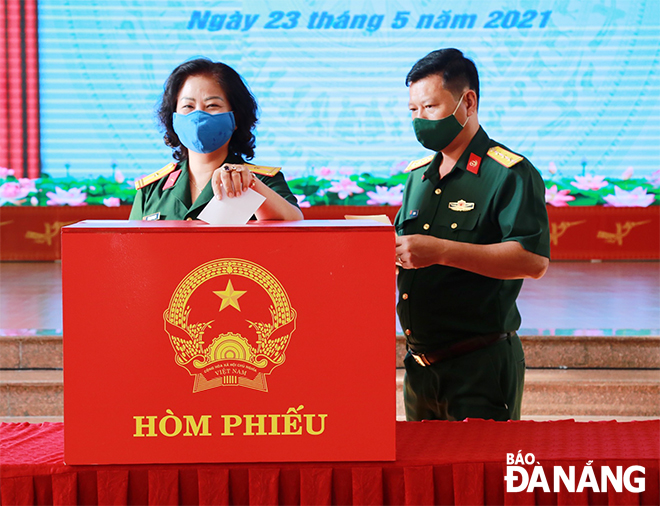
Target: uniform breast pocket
(461, 226)
(405, 227)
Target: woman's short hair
(241, 101)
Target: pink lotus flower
(73, 197)
(552, 168)
(627, 174)
(326, 173)
(399, 167)
(301, 201)
(654, 179)
(5, 172)
(29, 184)
(557, 198)
(345, 188)
(589, 182)
(383, 195)
(634, 198)
(12, 193)
(112, 202)
(119, 176)
(346, 171)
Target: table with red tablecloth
(437, 463)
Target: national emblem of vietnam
(230, 322)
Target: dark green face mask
(437, 134)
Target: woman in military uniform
(208, 115)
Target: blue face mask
(202, 132)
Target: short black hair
(457, 71)
(241, 101)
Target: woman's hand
(235, 179)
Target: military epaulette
(501, 155)
(416, 164)
(264, 171)
(159, 174)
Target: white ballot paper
(234, 211)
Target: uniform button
(407, 332)
(188, 219)
(426, 226)
(404, 296)
(438, 191)
(454, 225)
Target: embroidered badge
(474, 163)
(413, 213)
(461, 205)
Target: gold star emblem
(229, 296)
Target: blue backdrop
(567, 82)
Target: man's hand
(417, 251)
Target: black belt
(461, 348)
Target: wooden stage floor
(572, 298)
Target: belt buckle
(420, 359)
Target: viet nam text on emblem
(230, 322)
(461, 205)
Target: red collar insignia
(171, 179)
(474, 163)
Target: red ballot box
(185, 342)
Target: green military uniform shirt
(481, 201)
(154, 201)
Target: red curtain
(19, 87)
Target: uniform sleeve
(278, 184)
(523, 216)
(137, 210)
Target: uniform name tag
(152, 217)
(461, 205)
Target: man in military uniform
(473, 224)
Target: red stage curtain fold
(426, 471)
(112, 487)
(419, 487)
(444, 485)
(469, 483)
(264, 486)
(368, 485)
(17, 491)
(394, 486)
(213, 485)
(651, 496)
(164, 487)
(316, 486)
(65, 489)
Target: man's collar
(469, 161)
